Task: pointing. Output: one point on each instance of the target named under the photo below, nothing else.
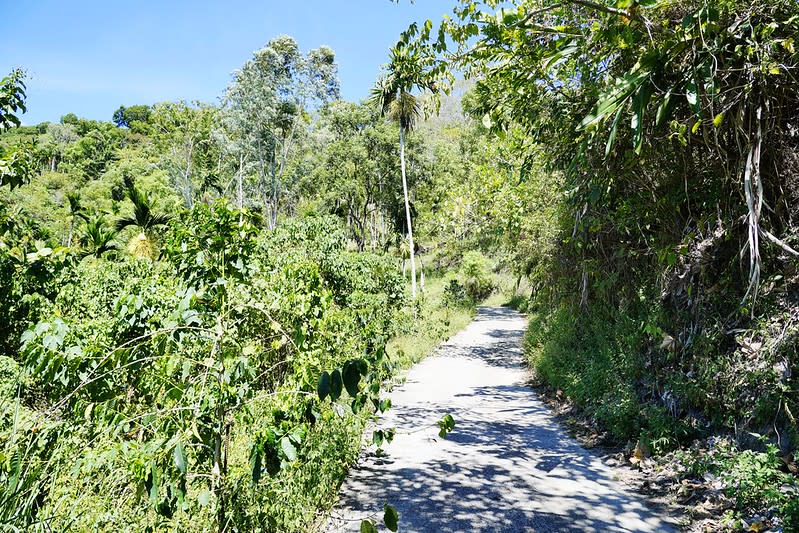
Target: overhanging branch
(607, 9)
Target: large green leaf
(155, 483)
(351, 376)
(640, 102)
(179, 455)
(288, 449)
(560, 57)
(390, 517)
(692, 96)
(368, 527)
(664, 109)
(613, 130)
(336, 385)
(256, 463)
(323, 385)
(616, 97)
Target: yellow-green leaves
(445, 425)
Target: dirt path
(507, 466)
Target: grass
(434, 323)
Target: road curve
(506, 467)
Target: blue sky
(89, 58)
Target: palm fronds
(98, 238)
(144, 215)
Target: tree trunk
(407, 212)
(272, 222)
(239, 189)
(71, 229)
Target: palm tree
(392, 94)
(97, 237)
(76, 210)
(144, 217)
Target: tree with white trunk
(263, 111)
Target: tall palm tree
(76, 210)
(393, 95)
(143, 217)
(97, 237)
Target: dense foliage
(172, 360)
(653, 159)
(201, 304)
(157, 393)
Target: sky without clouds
(90, 57)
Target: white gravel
(507, 466)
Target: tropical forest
(542, 275)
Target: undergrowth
(639, 385)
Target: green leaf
(368, 527)
(256, 464)
(445, 425)
(616, 97)
(663, 109)
(156, 484)
(390, 517)
(288, 449)
(335, 385)
(613, 130)
(692, 96)
(385, 405)
(323, 386)
(351, 377)
(560, 57)
(640, 102)
(179, 455)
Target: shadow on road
(507, 466)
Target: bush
(9, 378)
(756, 481)
(476, 273)
(455, 295)
(472, 283)
(189, 384)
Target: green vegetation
(199, 315)
(201, 303)
(182, 392)
(653, 168)
(436, 319)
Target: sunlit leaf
(179, 455)
(368, 527)
(288, 449)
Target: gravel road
(506, 467)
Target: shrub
(188, 386)
(476, 273)
(455, 295)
